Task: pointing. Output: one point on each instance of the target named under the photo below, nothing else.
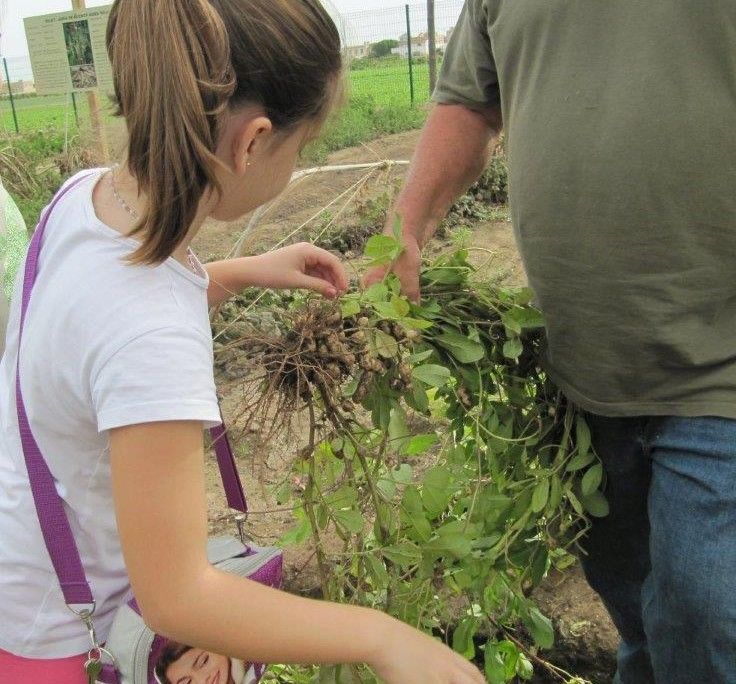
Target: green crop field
(385, 82)
(36, 112)
(389, 84)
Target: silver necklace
(133, 213)
(191, 258)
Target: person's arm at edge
(450, 155)
(160, 504)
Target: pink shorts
(17, 670)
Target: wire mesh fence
(386, 52)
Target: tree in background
(383, 47)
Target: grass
(38, 112)
(363, 119)
(33, 166)
(389, 84)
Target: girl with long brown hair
(115, 366)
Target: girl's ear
(250, 137)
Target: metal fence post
(10, 92)
(411, 65)
(76, 111)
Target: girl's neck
(119, 203)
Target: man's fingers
(410, 285)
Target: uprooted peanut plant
(444, 473)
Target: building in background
(420, 44)
(351, 52)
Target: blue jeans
(664, 560)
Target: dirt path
(587, 638)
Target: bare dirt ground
(587, 638)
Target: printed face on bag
(179, 664)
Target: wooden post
(93, 103)
(432, 47)
(411, 61)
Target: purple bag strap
(54, 521)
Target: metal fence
(386, 52)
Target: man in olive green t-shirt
(620, 124)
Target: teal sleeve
(13, 240)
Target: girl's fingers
(319, 285)
(328, 263)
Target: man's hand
(451, 153)
(406, 267)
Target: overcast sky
(13, 42)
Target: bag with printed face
(142, 657)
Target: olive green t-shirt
(620, 120)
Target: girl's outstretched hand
(302, 266)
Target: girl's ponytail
(179, 64)
(173, 80)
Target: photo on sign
(180, 664)
(79, 54)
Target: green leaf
(382, 249)
(387, 487)
(445, 275)
(417, 397)
(377, 571)
(462, 637)
(350, 388)
(385, 345)
(582, 435)
(413, 513)
(398, 432)
(493, 665)
(511, 324)
(524, 668)
(401, 306)
(575, 502)
(462, 348)
(527, 317)
(401, 474)
(351, 520)
(457, 546)
(591, 480)
(540, 496)
(419, 444)
(297, 534)
(510, 655)
(513, 348)
(403, 554)
(437, 490)
(349, 307)
(416, 323)
(376, 293)
(555, 494)
(418, 357)
(580, 460)
(431, 374)
(540, 627)
(596, 504)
